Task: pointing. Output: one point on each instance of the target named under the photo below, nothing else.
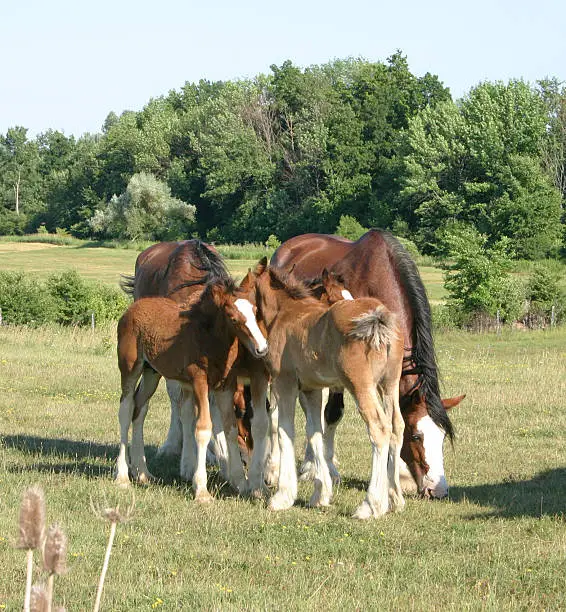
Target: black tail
(127, 283)
(424, 354)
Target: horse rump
(377, 328)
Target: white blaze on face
(433, 440)
(346, 294)
(246, 308)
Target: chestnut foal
(354, 344)
(197, 348)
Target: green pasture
(106, 264)
(498, 543)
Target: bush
(65, 298)
(350, 228)
(25, 300)
(544, 294)
(72, 295)
(478, 282)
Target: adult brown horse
(180, 271)
(378, 266)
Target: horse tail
(377, 328)
(127, 284)
(423, 353)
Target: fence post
(552, 317)
(497, 322)
(92, 320)
(0, 316)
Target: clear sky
(65, 64)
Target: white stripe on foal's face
(346, 294)
(433, 439)
(246, 308)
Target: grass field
(498, 543)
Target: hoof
(367, 511)
(280, 501)
(122, 481)
(145, 478)
(319, 502)
(396, 502)
(203, 497)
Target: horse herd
(326, 313)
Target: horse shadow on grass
(542, 495)
(95, 460)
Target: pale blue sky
(65, 64)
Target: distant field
(106, 264)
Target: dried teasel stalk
(39, 599)
(32, 519)
(55, 551)
(32, 527)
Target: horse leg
(131, 367)
(274, 458)
(286, 391)
(322, 493)
(333, 413)
(203, 433)
(307, 469)
(219, 454)
(188, 447)
(174, 442)
(391, 401)
(148, 384)
(379, 428)
(259, 429)
(225, 403)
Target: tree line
(296, 151)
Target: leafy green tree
(478, 162)
(19, 177)
(145, 210)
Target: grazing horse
(354, 344)
(378, 266)
(198, 348)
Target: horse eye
(417, 438)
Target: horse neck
(277, 303)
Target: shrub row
(64, 298)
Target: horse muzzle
(434, 488)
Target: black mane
(423, 354)
(295, 288)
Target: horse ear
(450, 402)
(248, 281)
(261, 266)
(218, 294)
(325, 275)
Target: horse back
(166, 266)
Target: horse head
(329, 288)
(422, 445)
(240, 312)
